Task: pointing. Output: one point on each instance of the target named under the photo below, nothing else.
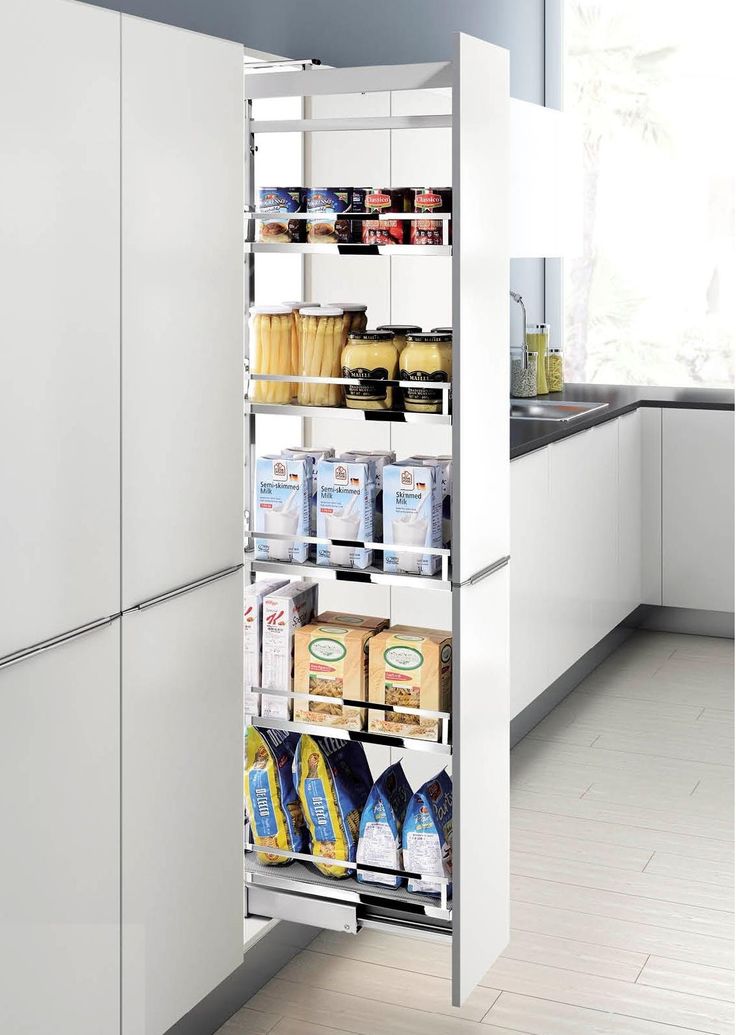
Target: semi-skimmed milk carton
(282, 503)
(316, 453)
(444, 463)
(252, 635)
(346, 500)
(412, 516)
(380, 458)
(284, 611)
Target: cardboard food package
(252, 638)
(410, 668)
(283, 613)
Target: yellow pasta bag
(272, 805)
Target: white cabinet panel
(531, 589)
(182, 772)
(698, 509)
(651, 505)
(182, 306)
(60, 816)
(629, 585)
(59, 318)
(602, 487)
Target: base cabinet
(697, 509)
(60, 840)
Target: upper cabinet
(59, 318)
(697, 509)
(182, 307)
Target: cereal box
(283, 613)
(252, 632)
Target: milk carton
(282, 503)
(412, 514)
(252, 631)
(316, 454)
(284, 611)
(444, 463)
(346, 500)
(380, 458)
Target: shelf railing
(425, 250)
(441, 746)
(445, 387)
(336, 573)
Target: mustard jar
(371, 357)
(426, 358)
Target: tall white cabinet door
(531, 586)
(629, 584)
(698, 509)
(60, 840)
(182, 306)
(59, 318)
(182, 802)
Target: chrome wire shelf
(371, 575)
(426, 251)
(328, 217)
(344, 413)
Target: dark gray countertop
(528, 435)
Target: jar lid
(378, 335)
(429, 339)
(441, 330)
(298, 305)
(401, 328)
(270, 310)
(349, 307)
(317, 310)
(537, 328)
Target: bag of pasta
(272, 805)
(333, 781)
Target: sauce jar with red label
(432, 199)
(383, 231)
(426, 231)
(388, 199)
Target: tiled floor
(622, 878)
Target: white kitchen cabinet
(60, 823)
(531, 585)
(650, 419)
(182, 803)
(182, 306)
(603, 488)
(697, 509)
(59, 318)
(629, 559)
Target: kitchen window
(650, 299)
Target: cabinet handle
(56, 641)
(479, 576)
(180, 590)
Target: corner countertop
(528, 435)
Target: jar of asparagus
(270, 352)
(354, 316)
(321, 338)
(295, 307)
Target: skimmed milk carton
(412, 516)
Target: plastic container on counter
(372, 357)
(320, 351)
(555, 370)
(271, 352)
(426, 358)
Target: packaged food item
(294, 307)
(431, 199)
(353, 316)
(371, 357)
(316, 454)
(383, 231)
(333, 781)
(426, 231)
(284, 611)
(427, 358)
(412, 516)
(331, 660)
(271, 352)
(427, 834)
(329, 231)
(388, 199)
(379, 842)
(283, 496)
(537, 340)
(444, 466)
(320, 349)
(272, 804)
(252, 632)
(346, 500)
(400, 331)
(380, 458)
(441, 330)
(280, 201)
(555, 370)
(335, 199)
(409, 668)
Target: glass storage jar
(425, 358)
(555, 370)
(523, 377)
(295, 307)
(400, 331)
(320, 351)
(271, 352)
(354, 315)
(372, 357)
(537, 340)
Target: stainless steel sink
(548, 409)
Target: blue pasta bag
(427, 834)
(332, 780)
(380, 826)
(272, 804)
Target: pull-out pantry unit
(440, 123)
